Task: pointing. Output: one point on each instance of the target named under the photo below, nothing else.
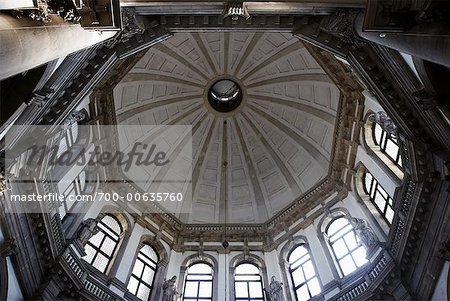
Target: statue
(365, 234)
(275, 291)
(169, 290)
(87, 229)
(384, 121)
(74, 117)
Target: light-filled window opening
(303, 275)
(74, 189)
(248, 282)
(379, 197)
(343, 241)
(101, 247)
(143, 274)
(199, 283)
(388, 144)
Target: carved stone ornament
(44, 8)
(236, 10)
(87, 229)
(341, 25)
(275, 290)
(8, 248)
(131, 24)
(169, 290)
(444, 250)
(384, 121)
(364, 233)
(74, 117)
(2, 183)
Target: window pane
(297, 253)
(391, 149)
(303, 259)
(100, 263)
(191, 289)
(255, 289)
(147, 277)
(200, 268)
(382, 201)
(298, 277)
(112, 223)
(138, 267)
(389, 214)
(102, 242)
(350, 239)
(340, 249)
(143, 292)
(241, 290)
(199, 277)
(205, 289)
(108, 232)
(146, 260)
(314, 286)
(336, 225)
(382, 191)
(149, 252)
(308, 269)
(300, 261)
(97, 238)
(108, 246)
(90, 252)
(347, 265)
(378, 133)
(248, 282)
(302, 293)
(132, 285)
(199, 282)
(341, 232)
(368, 181)
(246, 268)
(144, 272)
(359, 255)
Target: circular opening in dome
(225, 95)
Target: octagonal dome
(257, 158)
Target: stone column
(26, 43)
(433, 46)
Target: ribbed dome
(262, 155)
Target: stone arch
(127, 227)
(364, 199)
(161, 267)
(331, 215)
(247, 258)
(285, 251)
(200, 258)
(373, 150)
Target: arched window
(303, 274)
(379, 197)
(248, 282)
(143, 274)
(342, 238)
(199, 283)
(388, 144)
(75, 188)
(101, 247)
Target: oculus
(224, 95)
